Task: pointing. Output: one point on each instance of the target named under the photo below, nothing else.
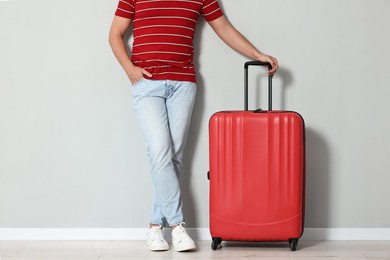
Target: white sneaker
(156, 241)
(181, 241)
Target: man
(164, 89)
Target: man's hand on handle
(271, 60)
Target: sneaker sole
(158, 248)
(184, 248)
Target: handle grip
(257, 63)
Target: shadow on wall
(318, 160)
(317, 211)
(317, 151)
(318, 183)
(127, 38)
(287, 80)
(261, 90)
(190, 206)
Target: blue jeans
(163, 109)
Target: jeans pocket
(138, 82)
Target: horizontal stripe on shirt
(164, 32)
(125, 10)
(165, 17)
(162, 43)
(167, 8)
(158, 60)
(186, 1)
(161, 52)
(164, 26)
(170, 72)
(126, 3)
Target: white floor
(121, 250)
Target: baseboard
(346, 234)
(196, 233)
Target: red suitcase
(257, 174)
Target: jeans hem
(156, 223)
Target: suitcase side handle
(257, 63)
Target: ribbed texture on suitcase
(256, 175)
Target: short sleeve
(211, 10)
(125, 9)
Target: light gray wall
(71, 152)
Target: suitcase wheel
(293, 243)
(216, 241)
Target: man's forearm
(237, 41)
(133, 72)
(240, 44)
(119, 49)
(234, 38)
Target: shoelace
(182, 232)
(158, 235)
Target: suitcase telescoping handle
(257, 63)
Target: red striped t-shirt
(163, 34)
